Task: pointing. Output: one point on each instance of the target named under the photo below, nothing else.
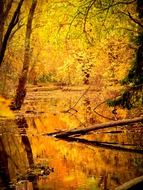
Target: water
(31, 160)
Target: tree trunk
(83, 131)
(4, 11)
(21, 89)
(1, 22)
(11, 25)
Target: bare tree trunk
(83, 131)
(21, 89)
(11, 25)
(4, 11)
(1, 22)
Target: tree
(5, 8)
(12, 24)
(21, 89)
(118, 11)
(1, 22)
(133, 96)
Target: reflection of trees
(89, 116)
(22, 125)
(83, 114)
(4, 171)
(107, 162)
(103, 180)
(105, 145)
(13, 159)
(103, 165)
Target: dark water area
(32, 160)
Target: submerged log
(83, 131)
(136, 183)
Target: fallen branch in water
(83, 131)
(73, 107)
(136, 183)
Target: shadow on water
(13, 159)
(35, 170)
(105, 145)
(18, 169)
(4, 171)
(22, 125)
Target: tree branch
(9, 5)
(134, 20)
(118, 3)
(9, 30)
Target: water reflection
(17, 167)
(4, 171)
(97, 161)
(89, 115)
(12, 157)
(87, 162)
(105, 145)
(91, 163)
(22, 125)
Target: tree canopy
(72, 41)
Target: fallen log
(83, 131)
(136, 183)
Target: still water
(32, 160)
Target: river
(32, 160)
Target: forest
(71, 82)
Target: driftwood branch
(135, 183)
(73, 107)
(83, 131)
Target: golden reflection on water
(81, 166)
(77, 165)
